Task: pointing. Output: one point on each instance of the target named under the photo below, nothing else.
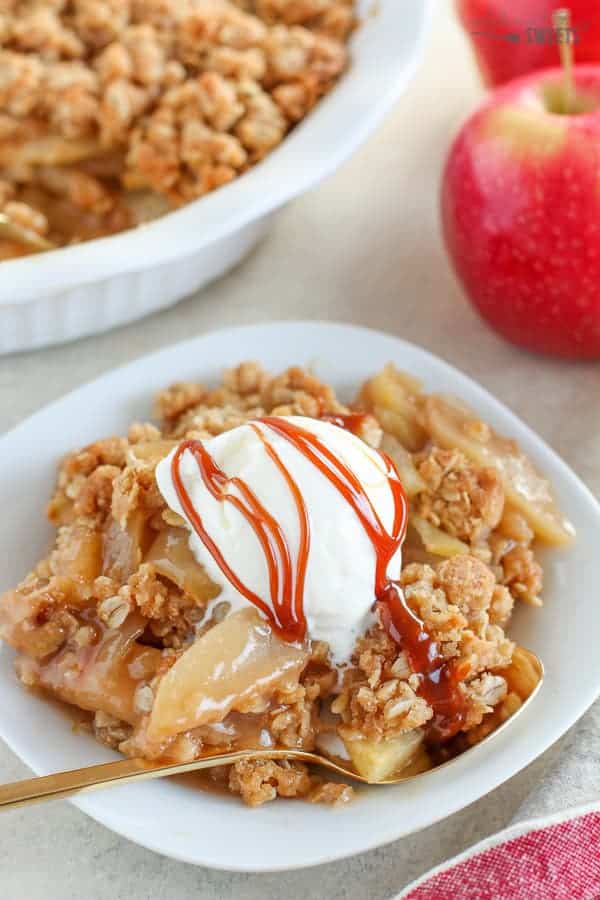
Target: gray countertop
(364, 247)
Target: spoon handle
(63, 784)
(123, 771)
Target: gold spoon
(12, 231)
(526, 670)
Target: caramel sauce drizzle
(285, 616)
(438, 678)
(352, 422)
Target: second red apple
(513, 37)
(521, 212)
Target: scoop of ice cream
(339, 583)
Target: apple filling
(121, 621)
(236, 666)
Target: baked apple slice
(227, 669)
(378, 760)
(172, 558)
(454, 425)
(435, 541)
(104, 676)
(394, 398)
(412, 481)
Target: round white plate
(209, 830)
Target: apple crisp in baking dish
(115, 111)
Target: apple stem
(561, 20)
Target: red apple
(513, 37)
(521, 212)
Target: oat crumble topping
(113, 111)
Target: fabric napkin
(552, 849)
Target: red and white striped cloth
(556, 858)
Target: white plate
(96, 285)
(220, 832)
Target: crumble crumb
(258, 781)
(464, 501)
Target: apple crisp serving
(122, 621)
(114, 111)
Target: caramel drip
(439, 678)
(352, 422)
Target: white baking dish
(90, 287)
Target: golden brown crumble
(258, 781)
(247, 392)
(120, 581)
(333, 793)
(522, 574)
(102, 97)
(110, 731)
(172, 614)
(135, 487)
(171, 403)
(463, 500)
